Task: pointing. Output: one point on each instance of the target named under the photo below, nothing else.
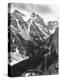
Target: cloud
(44, 9)
(33, 7)
(21, 6)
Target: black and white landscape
(32, 40)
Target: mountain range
(33, 31)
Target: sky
(47, 12)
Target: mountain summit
(34, 27)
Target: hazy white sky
(47, 12)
